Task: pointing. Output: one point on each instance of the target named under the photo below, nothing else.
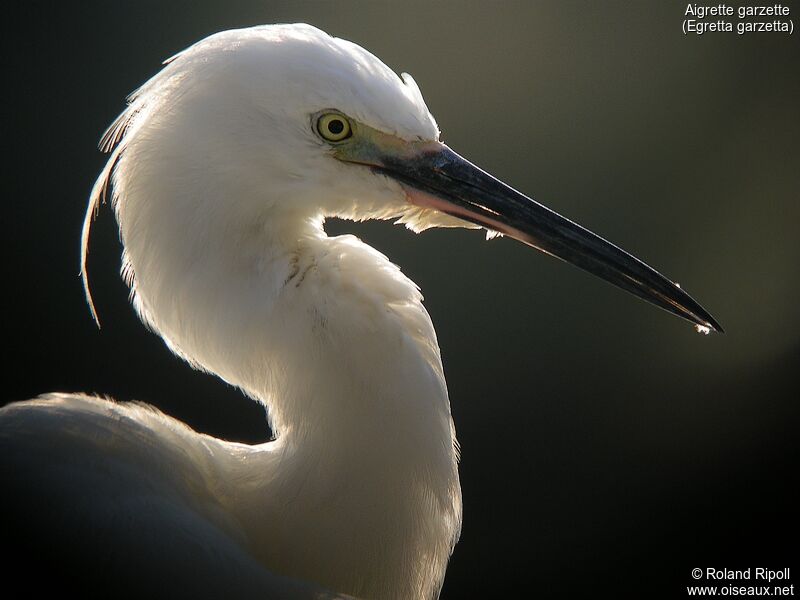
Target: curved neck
(360, 490)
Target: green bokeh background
(606, 445)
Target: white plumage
(220, 188)
(221, 180)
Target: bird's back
(109, 499)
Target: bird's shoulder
(56, 434)
(118, 499)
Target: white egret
(223, 169)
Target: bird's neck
(360, 490)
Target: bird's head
(286, 120)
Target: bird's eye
(334, 127)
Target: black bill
(451, 184)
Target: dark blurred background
(607, 447)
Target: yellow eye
(334, 127)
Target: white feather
(220, 189)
